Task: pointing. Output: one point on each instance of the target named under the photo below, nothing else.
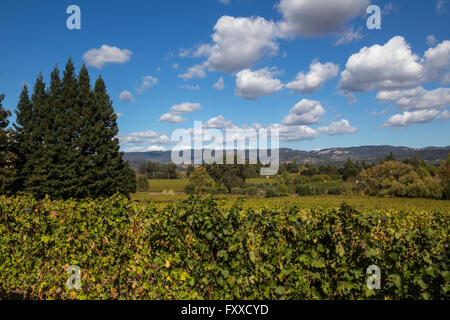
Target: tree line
(411, 178)
(63, 142)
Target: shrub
(396, 179)
(204, 249)
(252, 191)
(199, 182)
(271, 192)
(142, 184)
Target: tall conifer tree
(5, 176)
(69, 111)
(22, 136)
(112, 174)
(66, 141)
(33, 174)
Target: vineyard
(206, 248)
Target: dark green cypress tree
(23, 146)
(84, 144)
(32, 172)
(66, 140)
(50, 124)
(68, 133)
(111, 173)
(5, 158)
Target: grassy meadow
(171, 191)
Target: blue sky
(326, 81)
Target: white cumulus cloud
(382, 67)
(407, 118)
(437, 62)
(417, 98)
(146, 83)
(219, 85)
(126, 96)
(253, 84)
(338, 128)
(98, 58)
(304, 112)
(171, 118)
(197, 71)
(317, 17)
(315, 78)
(444, 116)
(185, 107)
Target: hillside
(333, 156)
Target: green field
(167, 186)
(177, 185)
(260, 180)
(171, 191)
(358, 202)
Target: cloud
(437, 63)
(185, 107)
(444, 116)
(219, 85)
(417, 98)
(318, 17)
(295, 133)
(147, 83)
(175, 66)
(315, 78)
(145, 149)
(389, 8)
(304, 112)
(441, 6)
(197, 71)
(119, 115)
(172, 118)
(338, 128)
(143, 137)
(174, 115)
(388, 67)
(431, 40)
(126, 96)
(189, 87)
(218, 122)
(253, 84)
(394, 66)
(240, 42)
(224, 1)
(98, 58)
(237, 44)
(348, 36)
(379, 113)
(407, 118)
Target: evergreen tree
(22, 136)
(53, 144)
(83, 143)
(69, 111)
(110, 173)
(5, 176)
(65, 140)
(390, 157)
(31, 142)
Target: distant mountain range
(333, 156)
